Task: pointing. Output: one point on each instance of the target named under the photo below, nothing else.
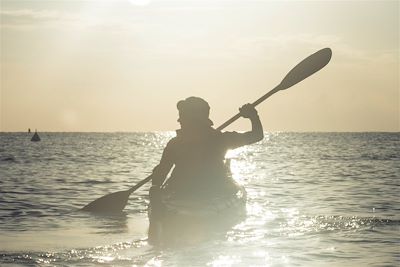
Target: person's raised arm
(234, 139)
(257, 133)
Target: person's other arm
(161, 171)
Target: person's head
(194, 111)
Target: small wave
(88, 256)
(368, 221)
(8, 158)
(321, 224)
(380, 157)
(347, 223)
(92, 181)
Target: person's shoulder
(172, 141)
(232, 139)
(219, 134)
(229, 134)
(171, 145)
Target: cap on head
(194, 109)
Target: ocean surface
(314, 199)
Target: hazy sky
(122, 65)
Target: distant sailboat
(35, 137)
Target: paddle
(116, 202)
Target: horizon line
(158, 131)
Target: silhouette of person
(198, 151)
(197, 156)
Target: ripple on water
(313, 198)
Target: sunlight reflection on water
(154, 262)
(241, 164)
(311, 199)
(223, 261)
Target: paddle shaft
(138, 185)
(301, 71)
(224, 125)
(254, 104)
(307, 67)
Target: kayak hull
(175, 221)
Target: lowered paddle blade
(306, 68)
(114, 202)
(111, 203)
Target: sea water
(314, 199)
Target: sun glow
(109, 61)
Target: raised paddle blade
(306, 68)
(111, 203)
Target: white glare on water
(225, 261)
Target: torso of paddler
(198, 159)
(196, 155)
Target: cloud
(44, 14)
(27, 18)
(22, 16)
(195, 39)
(290, 44)
(95, 21)
(37, 19)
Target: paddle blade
(111, 203)
(306, 68)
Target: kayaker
(197, 156)
(197, 152)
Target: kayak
(177, 220)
